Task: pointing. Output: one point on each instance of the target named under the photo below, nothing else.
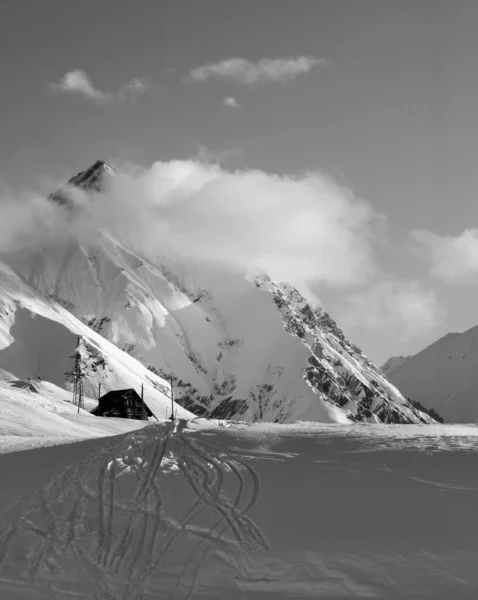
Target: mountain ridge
(236, 347)
(443, 376)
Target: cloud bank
(402, 308)
(240, 70)
(299, 229)
(78, 82)
(452, 258)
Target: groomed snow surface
(216, 510)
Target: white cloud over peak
(240, 70)
(231, 102)
(452, 258)
(78, 82)
(243, 220)
(401, 308)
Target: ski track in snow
(110, 519)
(444, 486)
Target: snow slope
(207, 512)
(443, 376)
(38, 413)
(37, 335)
(236, 348)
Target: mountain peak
(249, 350)
(91, 179)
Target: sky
(372, 104)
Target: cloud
(78, 82)
(204, 155)
(29, 222)
(231, 102)
(300, 229)
(402, 308)
(452, 258)
(137, 86)
(240, 70)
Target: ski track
(251, 531)
(102, 528)
(444, 486)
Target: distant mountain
(393, 364)
(443, 376)
(235, 347)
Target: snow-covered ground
(228, 510)
(39, 413)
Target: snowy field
(39, 413)
(244, 512)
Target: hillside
(37, 414)
(38, 335)
(443, 376)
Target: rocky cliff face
(234, 347)
(338, 370)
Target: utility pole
(78, 379)
(172, 399)
(99, 396)
(143, 405)
(81, 403)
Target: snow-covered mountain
(92, 179)
(236, 347)
(38, 336)
(443, 376)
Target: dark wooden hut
(125, 404)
